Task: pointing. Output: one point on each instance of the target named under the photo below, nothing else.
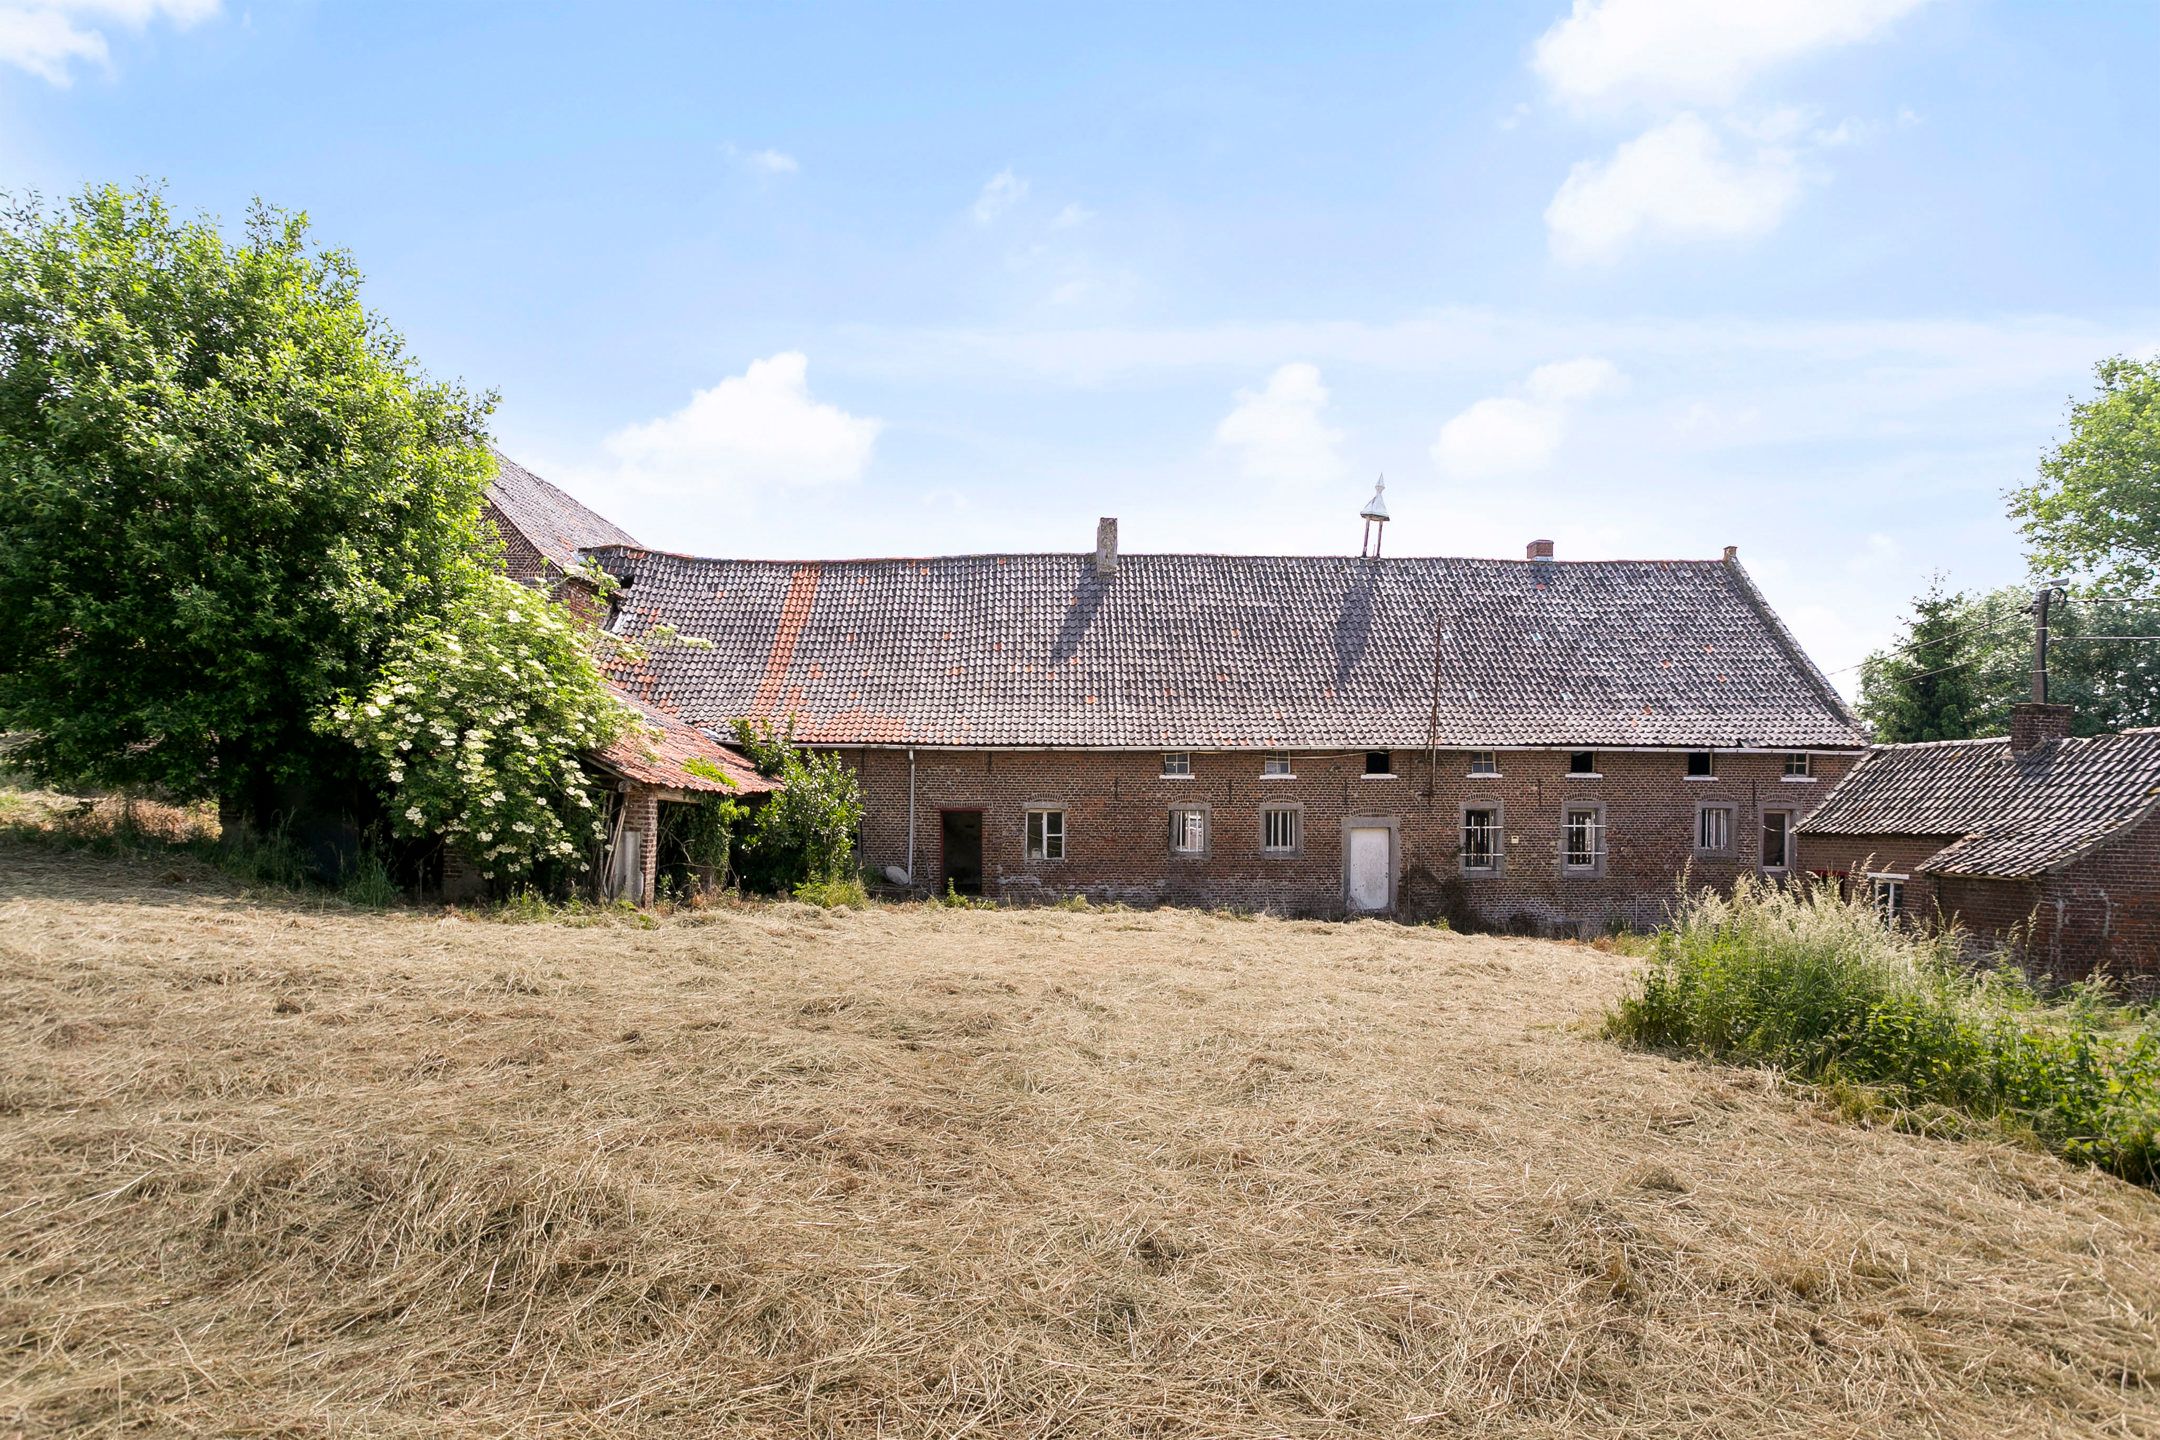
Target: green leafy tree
(805, 830)
(474, 725)
(1922, 687)
(224, 488)
(1963, 661)
(2094, 510)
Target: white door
(1370, 867)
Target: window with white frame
(1582, 762)
(1275, 762)
(1701, 765)
(1045, 834)
(1799, 765)
(1484, 762)
(1380, 762)
(1713, 829)
(1279, 829)
(1582, 837)
(1188, 831)
(1480, 839)
(1888, 893)
(1176, 763)
(1777, 839)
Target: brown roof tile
(1232, 652)
(2005, 815)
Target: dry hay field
(278, 1168)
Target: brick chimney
(1732, 553)
(1538, 550)
(1106, 546)
(2033, 725)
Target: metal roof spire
(1375, 517)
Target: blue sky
(1647, 277)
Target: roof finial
(1375, 517)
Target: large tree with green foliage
(1923, 688)
(1963, 660)
(2094, 510)
(224, 487)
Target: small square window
(1799, 765)
(1379, 762)
(1701, 764)
(1045, 834)
(1484, 762)
(1275, 762)
(1888, 893)
(1582, 762)
(1713, 829)
(1176, 762)
(1279, 829)
(1583, 838)
(1481, 839)
(1188, 832)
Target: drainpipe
(911, 815)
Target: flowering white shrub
(476, 720)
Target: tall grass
(1811, 981)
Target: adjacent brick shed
(2040, 842)
(1509, 742)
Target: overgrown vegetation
(474, 724)
(1809, 980)
(805, 830)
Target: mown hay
(781, 1171)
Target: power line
(1962, 632)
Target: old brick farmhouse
(1537, 743)
(2041, 841)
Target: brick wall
(2101, 912)
(1887, 854)
(1117, 808)
(521, 561)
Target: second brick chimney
(1538, 550)
(1106, 546)
(2033, 725)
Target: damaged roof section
(1222, 651)
(660, 749)
(2006, 815)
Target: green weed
(1894, 1024)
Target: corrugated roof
(2005, 815)
(550, 520)
(1227, 651)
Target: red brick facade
(2101, 911)
(1116, 826)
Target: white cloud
(47, 37)
(1517, 435)
(1568, 382)
(1072, 215)
(764, 162)
(1676, 181)
(1695, 51)
(1000, 193)
(752, 430)
(1280, 432)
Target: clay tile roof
(660, 749)
(550, 520)
(2005, 815)
(1229, 651)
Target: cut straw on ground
(294, 1169)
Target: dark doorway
(962, 850)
